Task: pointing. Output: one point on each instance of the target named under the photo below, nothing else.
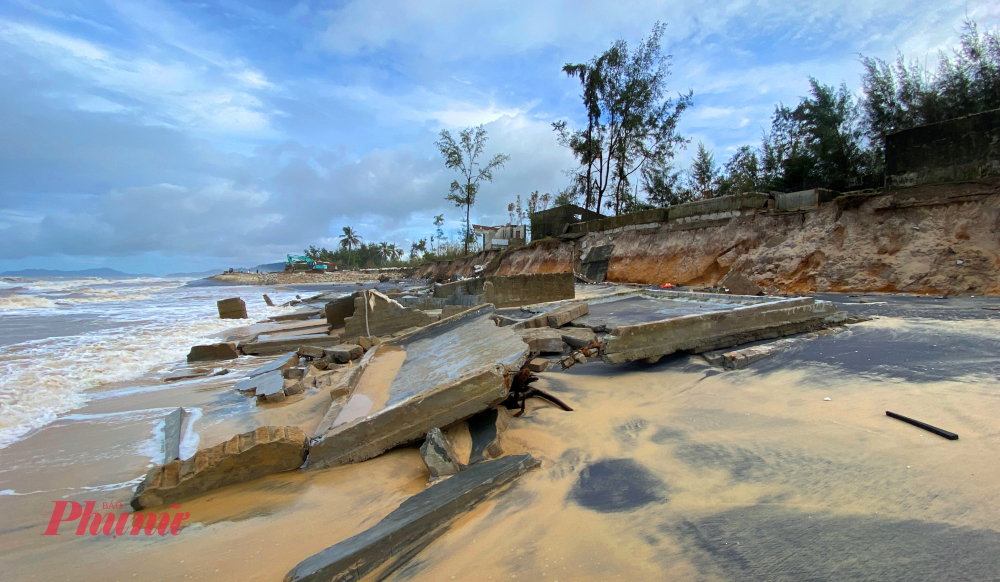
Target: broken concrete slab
(595, 263)
(439, 455)
(649, 325)
(207, 353)
(344, 353)
(234, 308)
(376, 314)
(293, 387)
(562, 315)
(271, 388)
(281, 363)
(268, 381)
(173, 428)
(187, 374)
(428, 378)
(543, 339)
(294, 373)
(538, 365)
(418, 521)
(578, 337)
(251, 455)
(485, 429)
(307, 313)
(339, 309)
(268, 301)
(264, 346)
(739, 284)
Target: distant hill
(104, 273)
(270, 267)
(194, 275)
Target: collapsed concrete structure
(429, 378)
(376, 314)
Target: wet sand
(675, 470)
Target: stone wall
(967, 148)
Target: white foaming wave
(19, 302)
(43, 378)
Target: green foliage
(631, 128)
(463, 157)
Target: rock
(251, 455)
(567, 313)
(294, 373)
(311, 352)
(439, 455)
(538, 365)
(543, 339)
(233, 308)
(740, 284)
(344, 353)
(320, 364)
(268, 301)
(206, 353)
(485, 429)
(293, 387)
(365, 343)
(412, 526)
(578, 337)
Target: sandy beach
(673, 470)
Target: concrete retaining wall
(803, 200)
(967, 148)
(513, 290)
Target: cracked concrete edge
(346, 385)
(418, 521)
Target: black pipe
(938, 431)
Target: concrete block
(538, 365)
(233, 308)
(293, 387)
(543, 340)
(485, 429)
(268, 301)
(344, 353)
(207, 353)
(263, 451)
(578, 337)
(562, 315)
(388, 545)
(294, 373)
(271, 388)
(314, 352)
(307, 313)
(439, 455)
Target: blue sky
(177, 136)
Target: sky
(183, 136)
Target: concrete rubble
(543, 340)
(251, 455)
(233, 308)
(439, 455)
(207, 353)
(390, 544)
(376, 314)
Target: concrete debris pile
(440, 367)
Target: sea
(62, 339)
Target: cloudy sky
(166, 136)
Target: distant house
(501, 237)
(555, 221)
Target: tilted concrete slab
(432, 377)
(651, 324)
(282, 362)
(265, 346)
(417, 522)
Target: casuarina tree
(463, 156)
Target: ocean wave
(18, 302)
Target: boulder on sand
(233, 308)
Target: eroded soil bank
(939, 239)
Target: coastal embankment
(303, 277)
(939, 239)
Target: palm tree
(398, 252)
(348, 240)
(384, 251)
